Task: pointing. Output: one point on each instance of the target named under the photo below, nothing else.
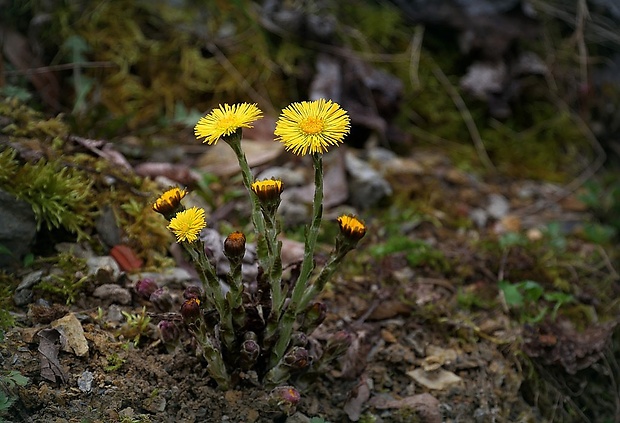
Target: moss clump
(60, 196)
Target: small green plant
(9, 381)
(115, 362)
(136, 325)
(68, 279)
(417, 252)
(531, 301)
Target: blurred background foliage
(144, 67)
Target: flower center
(228, 122)
(312, 125)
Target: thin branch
(467, 117)
(56, 68)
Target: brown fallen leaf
(357, 399)
(49, 346)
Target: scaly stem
(235, 295)
(211, 285)
(213, 354)
(288, 319)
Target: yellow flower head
(351, 227)
(187, 224)
(225, 120)
(312, 126)
(268, 189)
(169, 201)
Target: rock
(72, 338)
(296, 206)
(498, 206)
(366, 186)
(107, 228)
(23, 292)
(439, 379)
(289, 177)
(483, 79)
(18, 229)
(298, 418)
(113, 293)
(175, 277)
(85, 381)
(105, 268)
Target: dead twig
(466, 115)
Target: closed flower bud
(299, 339)
(268, 190)
(168, 332)
(286, 398)
(161, 299)
(351, 228)
(145, 287)
(169, 202)
(250, 350)
(190, 310)
(297, 358)
(234, 246)
(192, 291)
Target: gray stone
(85, 381)
(105, 268)
(107, 227)
(113, 293)
(498, 206)
(18, 229)
(366, 186)
(289, 177)
(175, 277)
(23, 292)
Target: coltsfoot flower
(168, 203)
(225, 121)
(351, 227)
(312, 126)
(268, 190)
(187, 224)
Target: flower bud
(192, 291)
(145, 287)
(286, 398)
(351, 228)
(168, 332)
(234, 246)
(161, 299)
(169, 203)
(190, 310)
(297, 358)
(299, 339)
(250, 350)
(268, 190)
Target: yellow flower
(169, 201)
(187, 224)
(351, 227)
(312, 126)
(225, 120)
(268, 189)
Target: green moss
(60, 196)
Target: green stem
(288, 319)
(211, 285)
(213, 355)
(326, 273)
(235, 296)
